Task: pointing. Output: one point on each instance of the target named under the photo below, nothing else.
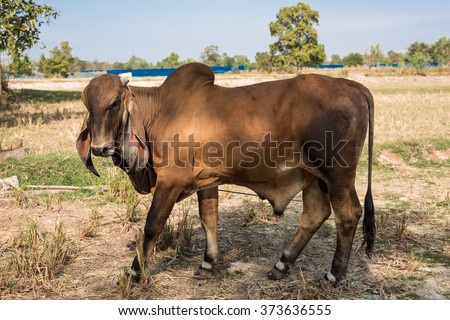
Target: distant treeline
(61, 62)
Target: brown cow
(276, 138)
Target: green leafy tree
(20, 24)
(118, 65)
(335, 59)
(353, 59)
(21, 65)
(235, 61)
(78, 64)
(136, 63)
(419, 60)
(376, 55)
(418, 56)
(440, 51)
(297, 41)
(172, 61)
(417, 47)
(228, 61)
(241, 60)
(395, 57)
(59, 63)
(188, 60)
(100, 65)
(211, 56)
(263, 61)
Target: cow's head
(112, 126)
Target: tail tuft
(369, 225)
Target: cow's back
(290, 109)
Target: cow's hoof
(276, 274)
(331, 281)
(203, 273)
(134, 275)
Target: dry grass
(408, 115)
(91, 226)
(178, 230)
(36, 256)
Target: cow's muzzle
(105, 150)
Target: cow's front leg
(208, 204)
(164, 198)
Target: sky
(114, 30)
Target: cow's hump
(190, 76)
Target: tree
(297, 41)
(353, 59)
(211, 56)
(78, 65)
(59, 63)
(419, 60)
(21, 65)
(136, 63)
(228, 61)
(417, 47)
(241, 60)
(20, 23)
(335, 59)
(395, 57)
(118, 65)
(263, 61)
(440, 51)
(172, 61)
(376, 55)
(418, 56)
(188, 60)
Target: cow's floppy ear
(84, 146)
(134, 149)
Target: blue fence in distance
(164, 72)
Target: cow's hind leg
(347, 210)
(316, 209)
(208, 203)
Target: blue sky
(113, 30)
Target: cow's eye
(115, 105)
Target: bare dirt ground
(412, 253)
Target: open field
(75, 245)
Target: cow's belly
(281, 190)
(278, 186)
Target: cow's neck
(148, 103)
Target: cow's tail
(369, 226)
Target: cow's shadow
(250, 243)
(14, 115)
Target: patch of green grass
(395, 198)
(416, 153)
(47, 96)
(443, 204)
(416, 277)
(54, 169)
(435, 257)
